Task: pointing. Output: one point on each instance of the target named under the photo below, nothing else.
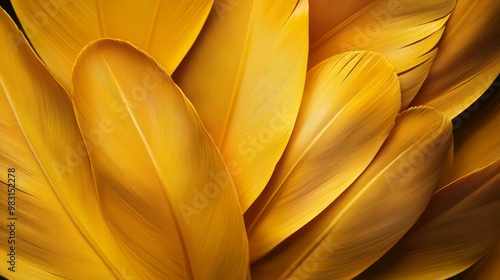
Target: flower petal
(163, 186)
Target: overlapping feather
(458, 227)
(349, 106)
(59, 29)
(162, 184)
(487, 268)
(405, 31)
(461, 223)
(245, 76)
(59, 231)
(477, 136)
(159, 201)
(374, 212)
(468, 59)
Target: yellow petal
(405, 31)
(375, 211)
(59, 231)
(349, 106)
(59, 29)
(487, 268)
(245, 76)
(163, 185)
(458, 227)
(468, 58)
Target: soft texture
(407, 32)
(59, 29)
(468, 59)
(461, 223)
(375, 211)
(487, 268)
(349, 107)
(60, 230)
(245, 76)
(162, 184)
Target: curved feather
(477, 137)
(468, 59)
(448, 167)
(461, 222)
(487, 268)
(60, 232)
(375, 211)
(245, 76)
(163, 186)
(59, 29)
(459, 226)
(405, 31)
(328, 15)
(349, 106)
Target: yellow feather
(162, 184)
(245, 76)
(405, 31)
(448, 167)
(468, 58)
(458, 227)
(375, 211)
(462, 221)
(349, 106)
(59, 231)
(477, 137)
(487, 268)
(59, 29)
